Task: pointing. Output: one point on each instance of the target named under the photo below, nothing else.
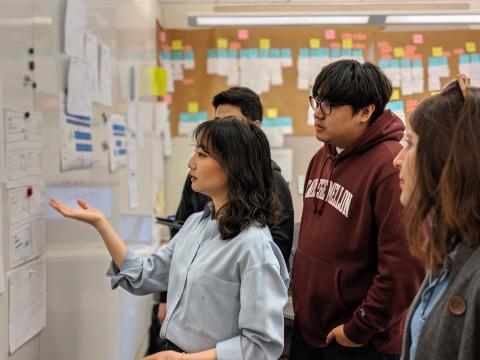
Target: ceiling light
(200, 20)
(433, 19)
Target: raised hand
(86, 213)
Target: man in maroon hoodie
(353, 275)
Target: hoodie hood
(387, 126)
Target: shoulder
(257, 246)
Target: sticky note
(242, 34)
(347, 43)
(192, 107)
(329, 34)
(434, 93)
(458, 51)
(346, 36)
(158, 81)
(437, 51)
(177, 44)
(470, 46)
(188, 81)
(168, 98)
(398, 52)
(235, 45)
(395, 95)
(222, 43)
(272, 113)
(163, 36)
(359, 36)
(314, 43)
(264, 44)
(417, 39)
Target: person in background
(243, 104)
(353, 275)
(440, 179)
(227, 280)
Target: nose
(191, 162)
(318, 113)
(398, 160)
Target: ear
(256, 123)
(366, 113)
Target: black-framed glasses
(325, 105)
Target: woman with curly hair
(440, 180)
(227, 281)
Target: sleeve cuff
(230, 349)
(131, 268)
(357, 332)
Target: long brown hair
(445, 204)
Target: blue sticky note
(394, 63)
(303, 52)
(244, 53)
(253, 53)
(324, 52)
(395, 105)
(417, 64)
(264, 53)
(286, 53)
(335, 53)
(347, 52)
(357, 53)
(166, 55)
(464, 59)
(384, 64)
(405, 63)
(202, 116)
(315, 52)
(232, 54)
(188, 55)
(222, 53)
(475, 58)
(184, 117)
(212, 53)
(284, 121)
(177, 55)
(275, 53)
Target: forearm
(115, 246)
(204, 355)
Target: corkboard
(452, 43)
(201, 87)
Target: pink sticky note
(168, 99)
(243, 34)
(417, 39)
(329, 34)
(163, 36)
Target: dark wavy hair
(447, 165)
(244, 153)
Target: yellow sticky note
(177, 44)
(192, 107)
(434, 93)
(222, 43)
(158, 81)
(314, 43)
(272, 113)
(395, 95)
(398, 52)
(347, 43)
(470, 47)
(264, 44)
(437, 51)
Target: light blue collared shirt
(223, 294)
(430, 296)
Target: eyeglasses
(462, 83)
(325, 105)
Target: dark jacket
(282, 232)
(353, 265)
(453, 328)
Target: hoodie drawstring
(317, 209)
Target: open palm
(86, 213)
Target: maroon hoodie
(353, 265)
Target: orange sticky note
(264, 44)
(398, 52)
(347, 43)
(346, 36)
(417, 39)
(437, 51)
(470, 46)
(359, 36)
(458, 51)
(177, 44)
(359, 46)
(272, 113)
(222, 43)
(242, 34)
(314, 43)
(235, 45)
(395, 95)
(329, 34)
(192, 107)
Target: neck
(219, 202)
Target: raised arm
(88, 214)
